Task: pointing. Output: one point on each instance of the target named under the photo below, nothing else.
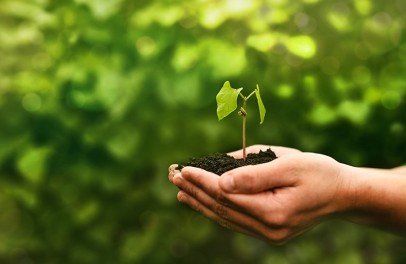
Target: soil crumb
(219, 163)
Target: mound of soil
(219, 163)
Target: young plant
(227, 102)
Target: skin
(279, 200)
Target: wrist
(350, 191)
(371, 196)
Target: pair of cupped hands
(274, 201)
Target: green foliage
(227, 99)
(261, 107)
(97, 98)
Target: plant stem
(248, 97)
(244, 119)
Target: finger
(197, 206)
(274, 236)
(257, 178)
(251, 149)
(240, 218)
(172, 167)
(246, 210)
(207, 181)
(172, 171)
(202, 195)
(279, 151)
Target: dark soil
(219, 163)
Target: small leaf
(261, 106)
(227, 100)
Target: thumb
(254, 178)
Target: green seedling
(227, 100)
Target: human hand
(274, 201)
(238, 154)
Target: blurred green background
(98, 98)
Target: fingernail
(172, 167)
(180, 197)
(227, 183)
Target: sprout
(227, 103)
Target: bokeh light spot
(212, 17)
(322, 115)
(354, 111)
(239, 7)
(363, 6)
(302, 46)
(301, 20)
(339, 17)
(262, 42)
(383, 19)
(285, 91)
(391, 100)
(185, 57)
(397, 128)
(31, 102)
(146, 46)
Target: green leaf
(227, 100)
(261, 106)
(32, 164)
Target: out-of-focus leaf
(32, 164)
(302, 46)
